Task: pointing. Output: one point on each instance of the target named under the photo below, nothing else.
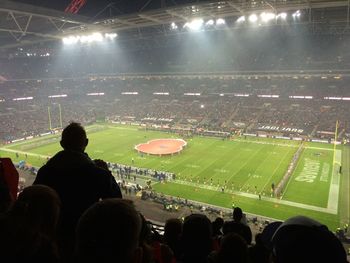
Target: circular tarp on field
(161, 146)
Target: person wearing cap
(304, 240)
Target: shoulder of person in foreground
(110, 185)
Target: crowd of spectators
(222, 103)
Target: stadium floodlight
(332, 98)
(58, 96)
(241, 19)
(161, 93)
(130, 93)
(266, 17)
(296, 14)
(195, 24)
(268, 96)
(173, 26)
(283, 16)
(220, 21)
(210, 22)
(96, 94)
(94, 37)
(70, 40)
(241, 95)
(24, 98)
(253, 18)
(191, 94)
(111, 36)
(301, 97)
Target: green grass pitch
(245, 167)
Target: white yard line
(282, 159)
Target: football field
(225, 172)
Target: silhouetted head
(302, 239)
(237, 214)
(38, 207)
(74, 137)
(172, 230)
(217, 225)
(196, 237)
(233, 248)
(109, 231)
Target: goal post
(54, 112)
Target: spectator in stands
(302, 239)
(217, 226)
(217, 233)
(27, 230)
(109, 231)
(236, 226)
(78, 182)
(233, 248)
(8, 183)
(259, 253)
(172, 235)
(5, 198)
(196, 239)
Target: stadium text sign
(280, 129)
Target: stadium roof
(22, 24)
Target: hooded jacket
(79, 184)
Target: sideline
(22, 152)
(265, 198)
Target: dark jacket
(238, 228)
(79, 184)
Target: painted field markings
(265, 198)
(333, 195)
(221, 170)
(226, 164)
(250, 175)
(275, 170)
(245, 163)
(284, 145)
(195, 166)
(166, 161)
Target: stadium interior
(256, 91)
